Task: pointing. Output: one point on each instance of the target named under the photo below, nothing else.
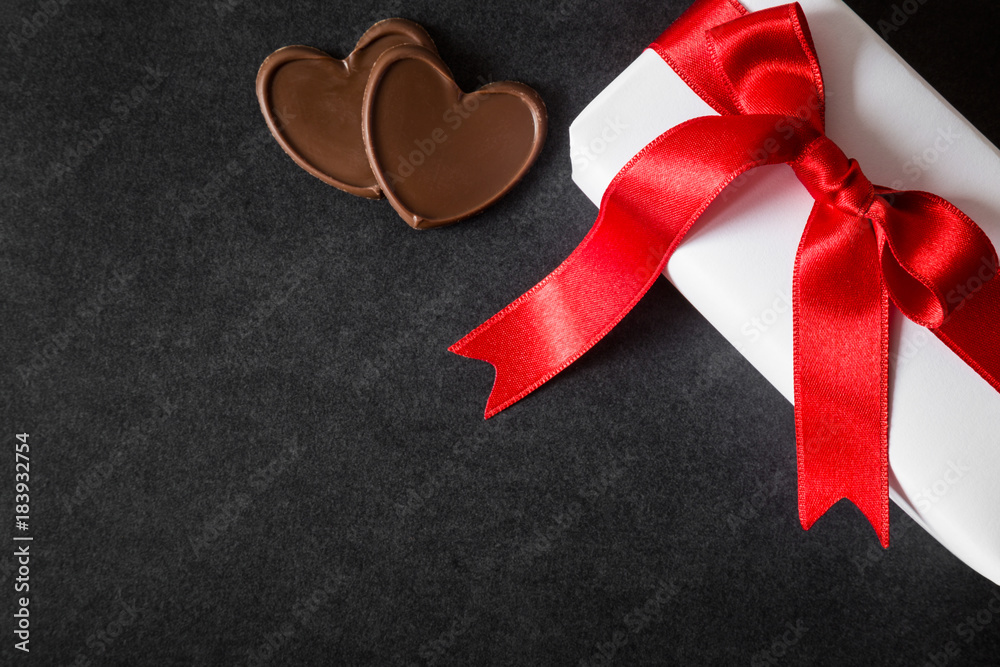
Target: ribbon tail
(562, 317)
(841, 324)
(646, 211)
(972, 330)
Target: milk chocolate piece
(441, 155)
(312, 103)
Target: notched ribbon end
(498, 401)
(876, 510)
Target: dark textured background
(246, 429)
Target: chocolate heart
(441, 155)
(312, 103)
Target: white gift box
(736, 266)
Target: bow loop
(931, 255)
(768, 68)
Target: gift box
(736, 265)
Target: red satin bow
(862, 246)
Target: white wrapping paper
(736, 267)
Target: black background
(235, 377)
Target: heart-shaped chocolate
(440, 155)
(313, 102)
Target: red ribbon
(863, 246)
